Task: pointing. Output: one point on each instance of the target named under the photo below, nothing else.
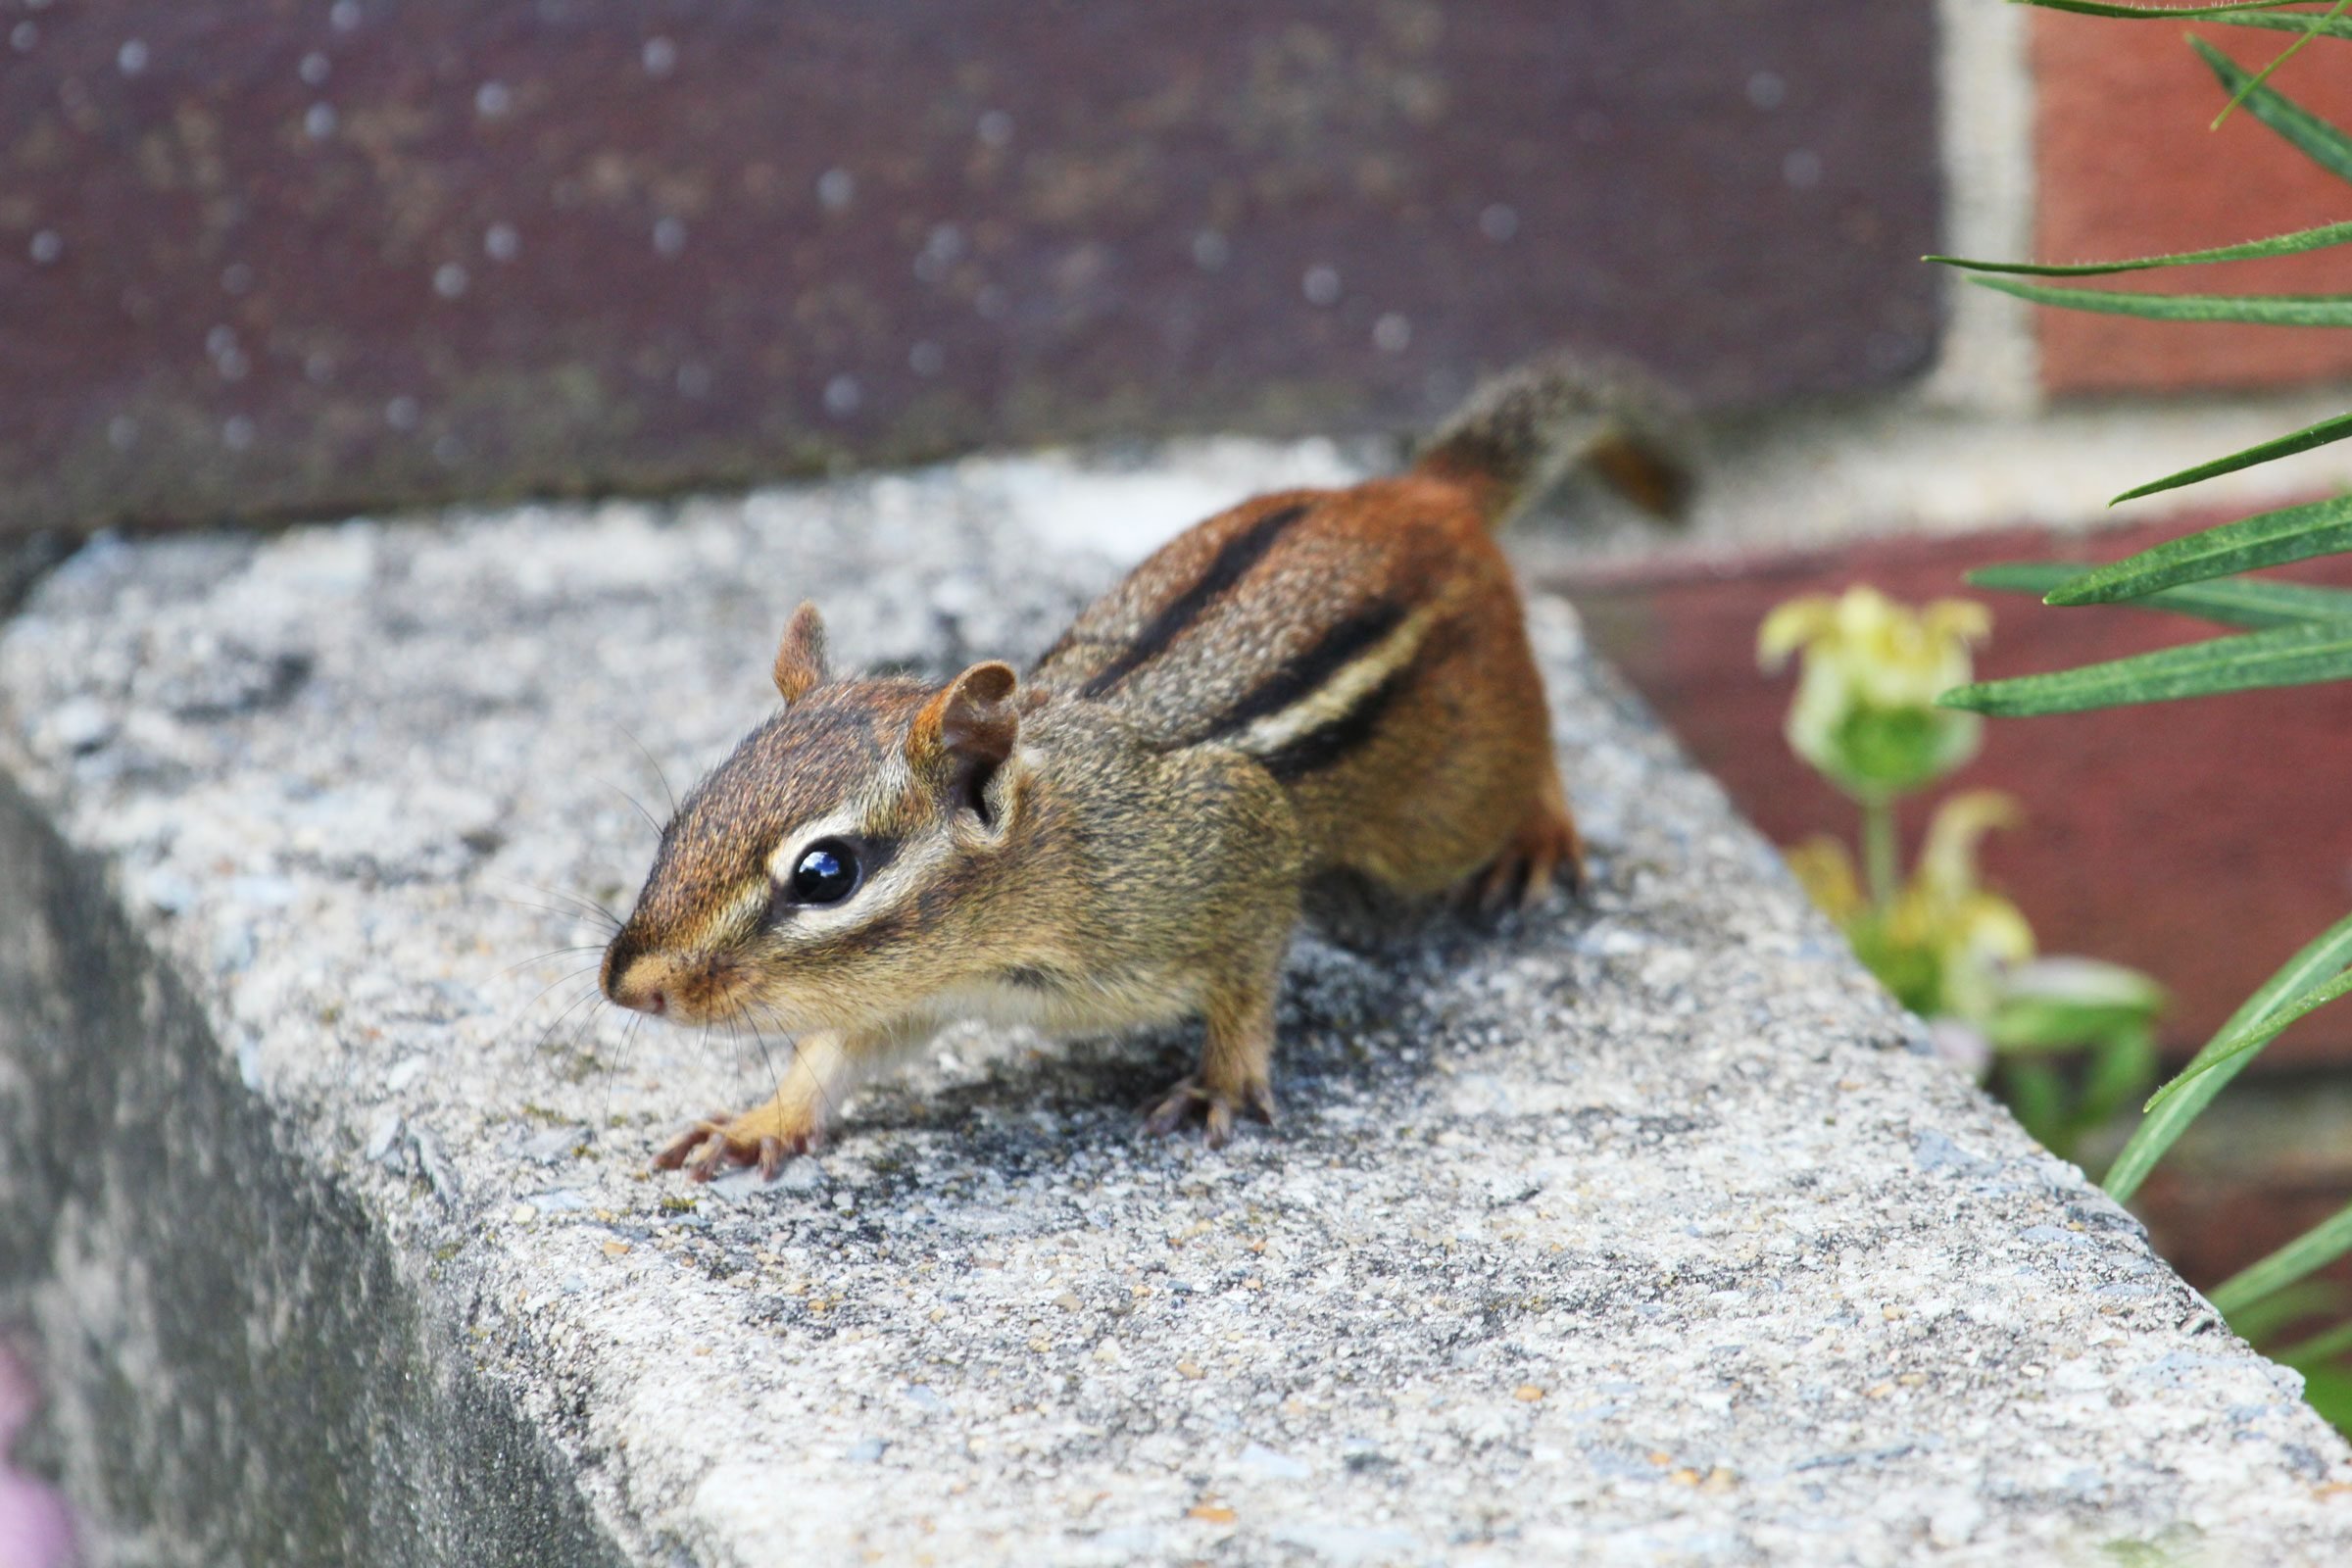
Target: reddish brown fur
(1460, 767)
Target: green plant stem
(2306, 1255)
(1879, 853)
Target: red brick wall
(2125, 166)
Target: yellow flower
(1976, 935)
(1945, 942)
(1865, 712)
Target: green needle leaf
(2230, 600)
(2313, 137)
(2326, 954)
(2294, 22)
(2262, 310)
(2250, 1040)
(2326, 1345)
(2303, 239)
(2306, 1255)
(2267, 539)
(2146, 13)
(2264, 74)
(2284, 656)
(2285, 446)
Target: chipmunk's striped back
(1365, 645)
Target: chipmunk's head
(828, 873)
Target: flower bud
(1865, 712)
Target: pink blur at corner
(35, 1531)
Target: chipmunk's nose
(631, 991)
(627, 982)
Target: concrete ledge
(1640, 1233)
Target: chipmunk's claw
(1190, 1099)
(1543, 855)
(718, 1141)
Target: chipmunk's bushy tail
(1522, 432)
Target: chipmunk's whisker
(656, 763)
(650, 819)
(555, 953)
(592, 993)
(575, 906)
(619, 1066)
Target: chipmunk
(1316, 687)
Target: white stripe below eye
(1338, 696)
(880, 890)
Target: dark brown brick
(254, 260)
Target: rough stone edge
(166, 1250)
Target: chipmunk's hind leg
(1545, 850)
(1236, 1071)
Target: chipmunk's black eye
(827, 873)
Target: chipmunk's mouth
(689, 990)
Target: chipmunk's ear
(973, 719)
(801, 656)
(964, 735)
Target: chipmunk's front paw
(1190, 1099)
(766, 1138)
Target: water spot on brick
(236, 432)
(842, 395)
(1766, 89)
(450, 280)
(132, 58)
(401, 413)
(1391, 333)
(46, 247)
(501, 242)
(318, 121)
(836, 188)
(1321, 285)
(24, 36)
(926, 358)
(1498, 221)
(669, 236)
(996, 127)
(660, 56)
(344, 15)
(314, 69)
(491, 100)
(1211, 251)
(1801, 169)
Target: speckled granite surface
(1637, 1232)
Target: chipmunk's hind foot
(1546, 853)
(1190, 1099)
